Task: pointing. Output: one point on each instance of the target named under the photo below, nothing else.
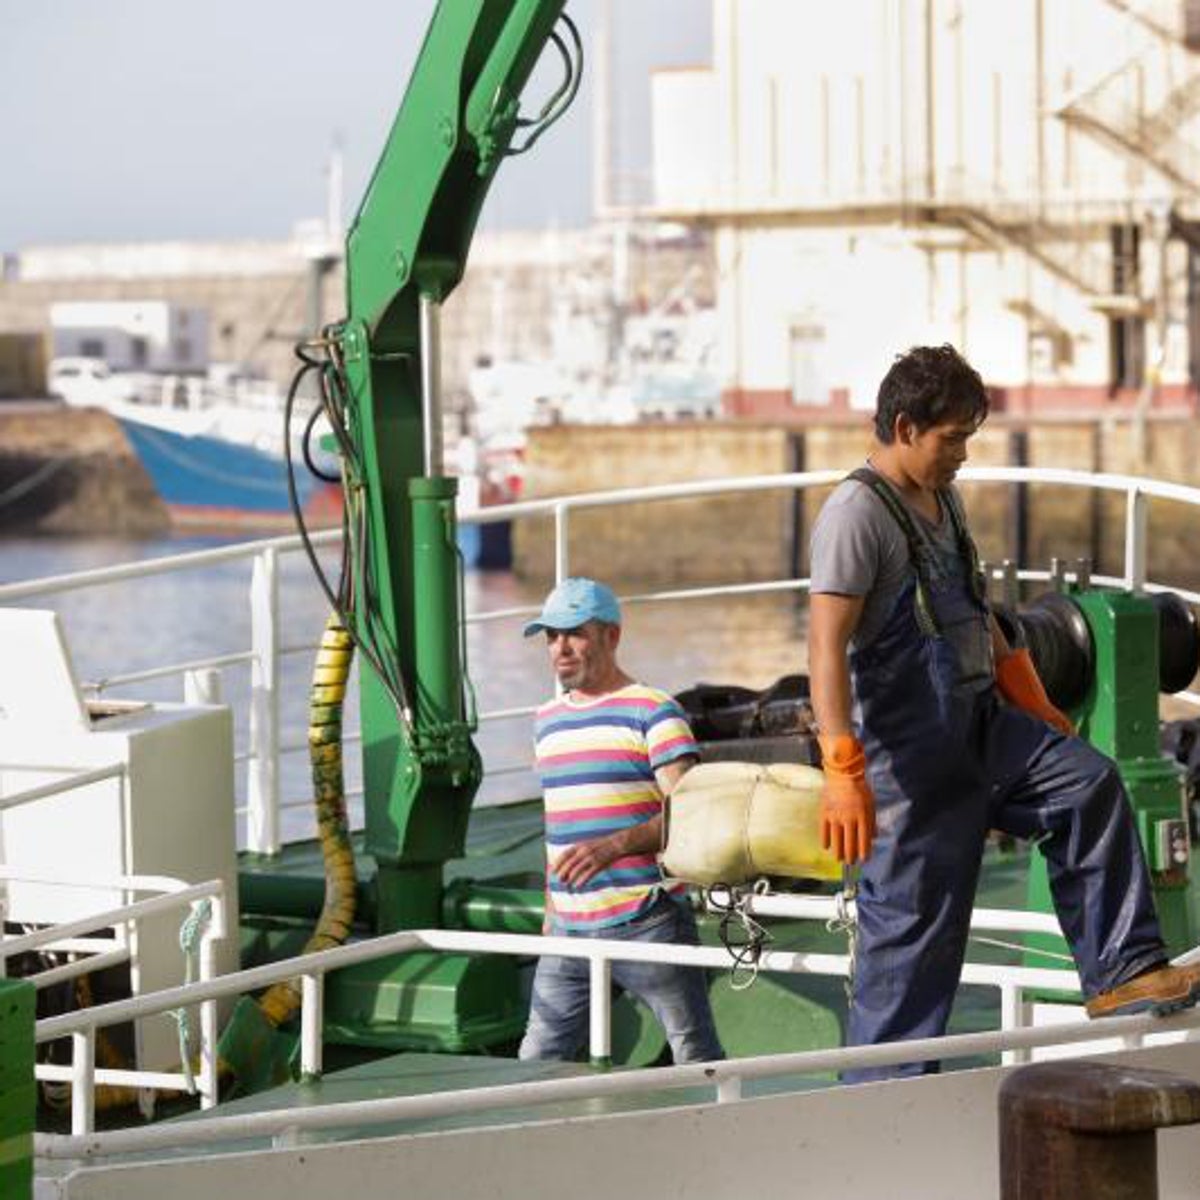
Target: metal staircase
(1115, 110)
(1113, 113)
(1064, 246)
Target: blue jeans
(677, 996)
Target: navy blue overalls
(947, 760)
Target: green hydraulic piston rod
(405, 253)
(1119, 716)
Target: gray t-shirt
(858, 549)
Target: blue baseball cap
(575, 602)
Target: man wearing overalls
(933, 731)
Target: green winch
(1105, 656)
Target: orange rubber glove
(847, 802)
(1018, 681)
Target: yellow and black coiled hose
(326, 701)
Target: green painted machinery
(18, 1090)
(1108, 654)
(405, 253)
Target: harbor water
(136, 625)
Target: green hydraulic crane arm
(405, 252)
(459, 114)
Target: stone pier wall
(71, 471)
(764, 536)
(707, 540)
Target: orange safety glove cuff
(1020, 685)
(842, 754)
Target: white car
(86, 382)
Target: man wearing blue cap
(609, 750)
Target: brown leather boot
(1160, 990)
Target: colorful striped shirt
(596, 760)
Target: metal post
(1058, 575)
(83, 1081)
(1018, 454)
(600, 1010)
(1075, 1129)
(209, 1030)
(431, 384)
(202, 686)
(561, 535)
(1010, 583)
(263, 783)
(1012, 1016)
(1136, 525)
(287, 1138)
(312, 1021)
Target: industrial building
(1017, 178)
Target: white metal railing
(73, 778)
(262, 758)
(726, 1079)
(1013, 1041)
(170, 895)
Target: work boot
(1160, 990)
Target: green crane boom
(405, 253)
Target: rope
(1057, 955)
(845, 921)
(189, 943)
(26, 485)
(743, 936)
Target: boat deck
(814, 1136)
(793, 1012)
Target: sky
(129, 120)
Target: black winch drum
(1178, 642)
(1058, 638)
(1054, 630)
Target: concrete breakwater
(71, 471)
(762, 536)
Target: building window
(183, 350)
(1126, 330)
(807, 346)
(139, 352)
(91, 347)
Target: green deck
(777, 1014)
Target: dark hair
(929, 385)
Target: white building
(133, 335)
(1017, 177)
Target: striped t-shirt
(596, 759)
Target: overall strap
(926, 620)
(966, 547)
